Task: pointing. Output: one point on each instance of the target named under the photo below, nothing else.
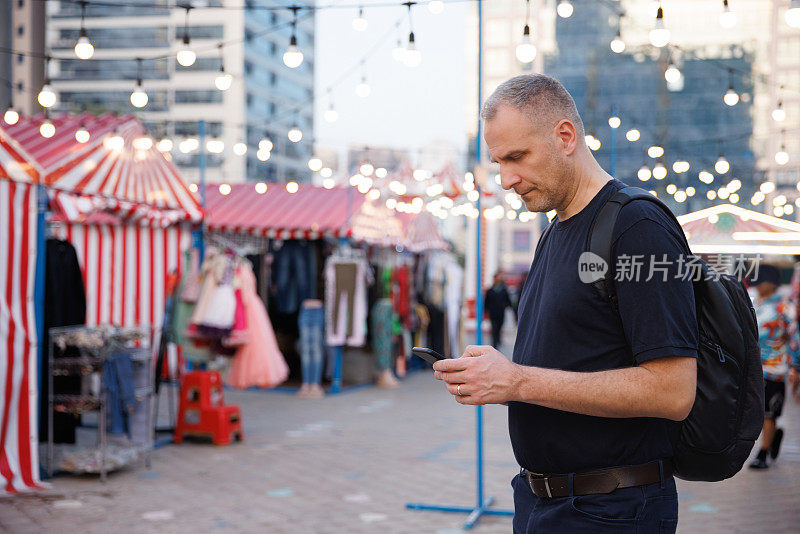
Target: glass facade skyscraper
(265, 100)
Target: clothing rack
(228, 245)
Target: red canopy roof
(134, 173)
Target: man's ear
(567, 136)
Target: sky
(408, 107)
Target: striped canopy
(730, 229)
(311, 212)
(132, 175)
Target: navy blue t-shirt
(564, 324)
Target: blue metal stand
(336, 384)
(482, 504)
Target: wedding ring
(458, 389)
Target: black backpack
(715, 440)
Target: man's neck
(590, 179)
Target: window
(273, 79)
(20, 58)
(20, 30)
(273, 49)
(189, 97)
(20, 3)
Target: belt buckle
(547, 487)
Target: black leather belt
(601, 481)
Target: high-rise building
(265, 99)
(21, 29)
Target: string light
(363, 89)
(331, 115)
(659, 171)
(360, 23)
(655, 151)
(412, 56)
(659, 35)
(293, 57)
(614, 122)
(633, 135)
(265, 144)
(644, 173)
(711, 195)
(727, 18)
(565, 9)
(295, 134)
(328, 183)
(681, 166)
(326, 172)
(224, 189)
(399, 51)
(731, 97)
(526, 51)
(165, 145)
(722, 166)
(223, 81)
(83, 48)
(672, 74)
(215, 146)
(261, 188)
(436, 6)
(82, 135)
(46, 97)
(767, 187)
(779, 114)
(47, 130)
(240, 149)
(11, 117)
(734, 198)
(139, 98)
(782, 157)
(617, 44)
(186, 56)
(263, 155)
(705, 177)
(792, 15)
(680, 196)
(672, 189)
(315, 164)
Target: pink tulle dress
(259, 361)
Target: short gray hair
(538, 95)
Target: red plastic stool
(202, 411)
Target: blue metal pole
(202, 170)
(38, 287)
(612, 166)
(478, 281)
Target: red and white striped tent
(311, 212)
(730, 229)
(117, 200)
(18, 341)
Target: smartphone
(429, 355)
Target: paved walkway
(350, 463)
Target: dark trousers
(641, 509)
(497, 327)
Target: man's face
(532, 159)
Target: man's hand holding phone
(482, 375)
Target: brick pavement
(349, 463)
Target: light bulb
(225, 189)
(265, 144)
(315, 164)
(326, 172)
(691, 191)
(565, 9)
(84, 48)
(366, 169)
(363, 89)
(399, 52)
(165, 145)
(436, 6)
(614, 122)
(672, 189)
(792, 15)
(655, 151)
(672, 74)
(644, 173)
(779, 114)
(633, 135)
(139, 98)
(526, 51)
(47, 129)
(412, 57)
(728, 18)
(680, 196)
(295, 135)
(731, 97)
(186, 56)
(223, 81)
(328, 183)
(292, 187)
(82, 135)
(705, 177)
(263, 155)
(617, 44)
(659, 35)
(722, 166)
(47, 98)
(11, 116)
(215, 146)
(659, 171)
(115, 143)
(261, 188)
(331, 115)
(360, 22)
(143, 143)
(782, 157)
(293, 57)
(240, 149)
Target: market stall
(118, 206)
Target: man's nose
(508, 179)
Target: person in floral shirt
(778, 339)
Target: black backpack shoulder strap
(543, 237)
(602, 229)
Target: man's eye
(515, 157)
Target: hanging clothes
(381, 328)
(294, 270)
(453, 294)
(65, 305)
(311, 321)
(190, 289)
(346, 282)
(259, 362)
(220, 313)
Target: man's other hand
(482, 375)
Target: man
(775, 316)
(589, 389)
(496, 301)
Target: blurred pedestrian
(776, 324)
(496, 301)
